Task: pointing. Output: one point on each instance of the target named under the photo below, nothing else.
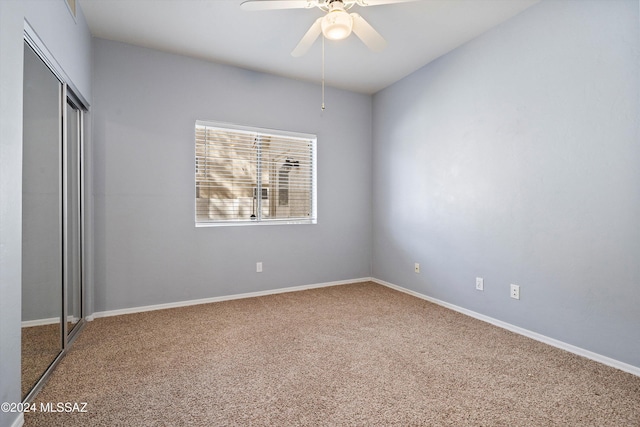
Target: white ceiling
(219, 30)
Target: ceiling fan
(337, 24)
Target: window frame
(313, 140)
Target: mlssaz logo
(63, 407)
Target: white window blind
(250, 175)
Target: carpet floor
(40, 346)
(359, 355)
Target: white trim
(18, 422)
(252, 129)
(518, 330)
(40, 322)
(141, 309)
(49, 321)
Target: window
(235, 164)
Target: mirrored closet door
(41, 220)
(51, 220)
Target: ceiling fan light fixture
(337, 24)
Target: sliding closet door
(73, 215)
(52, 220)
(42, 247)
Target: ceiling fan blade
(365, 3)
(367, 34)
(277, 4)
(308, 39)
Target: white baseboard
(40, 322)
(19, 421)
(518, 330)
(132, 310)
(49, 321)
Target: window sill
(257, 223)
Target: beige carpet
(40, 346)
(358, 354)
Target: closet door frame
(69, 98)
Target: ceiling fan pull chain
(322, 73)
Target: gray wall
(68, 39)
(148, 250)
(11, 16)
(59, 33)
(515, 158)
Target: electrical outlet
(258, 267)
(479, 284)
(515, 291)
(416, 267)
